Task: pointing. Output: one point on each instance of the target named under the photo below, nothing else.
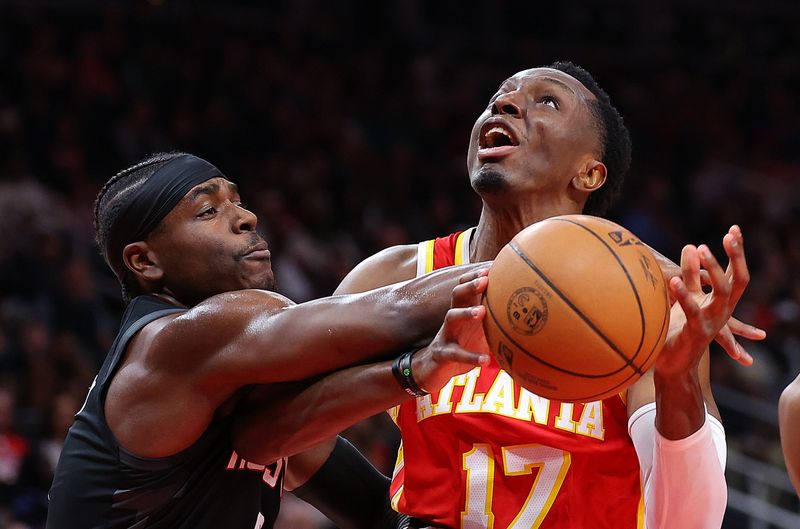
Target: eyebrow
(207, 189)
(210, 189)
(560, 83)
(552, 80)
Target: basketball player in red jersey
(484, 453)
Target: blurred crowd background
(346, 126)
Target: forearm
(670, 499)
(680, 407)
(680, 403)
(280, 428)
(419, 305)
(254, 337)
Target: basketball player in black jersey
(165, 439)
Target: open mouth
(497, 136)
(496, 140)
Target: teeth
(499, 130)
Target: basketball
(577, 308)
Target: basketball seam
(587, 398)
(627, 275)
(548, 364)
(575, 309)
(661, 332)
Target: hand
(733, 327)
(697, 317)
(460, 344)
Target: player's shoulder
(245, 299)
(391, 265)
(219, 314)
(187, 338)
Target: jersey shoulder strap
(443, 252)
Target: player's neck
(497, 226)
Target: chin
(267, 283)
(490, 181)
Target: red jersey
(485, 453)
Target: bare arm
(345, 397)
(398, 263)
(179, 370)
(789, 418)
(694, 322)
(256, 337)
(644, 392)
(679, 437)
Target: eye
(207, 212)
(549, 101)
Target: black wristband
(401, 369)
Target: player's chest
(487, 401)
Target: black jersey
(98, 484)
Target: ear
(591, 176)
(142, 261)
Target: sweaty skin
(548, 165)
(182, 371)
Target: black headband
(151, 202)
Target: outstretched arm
(345, 397)
(694, 323)
(180, 370)
(679, 438)
(256, 337)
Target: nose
(245, 220)
(508, 104)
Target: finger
(737, 272)
(474, 274)
(717, 305)
(456, 319)
(456, 354)
(686, 300)
(745, 330)
(705, 279)
(725, 338)
(732, 347)
(690, 268)
(469, 293)
(720, 299)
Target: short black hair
(108, 204)
(615, 140)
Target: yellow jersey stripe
(429, 256)
(459, 256)
(396, 498)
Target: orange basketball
(577, 308)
